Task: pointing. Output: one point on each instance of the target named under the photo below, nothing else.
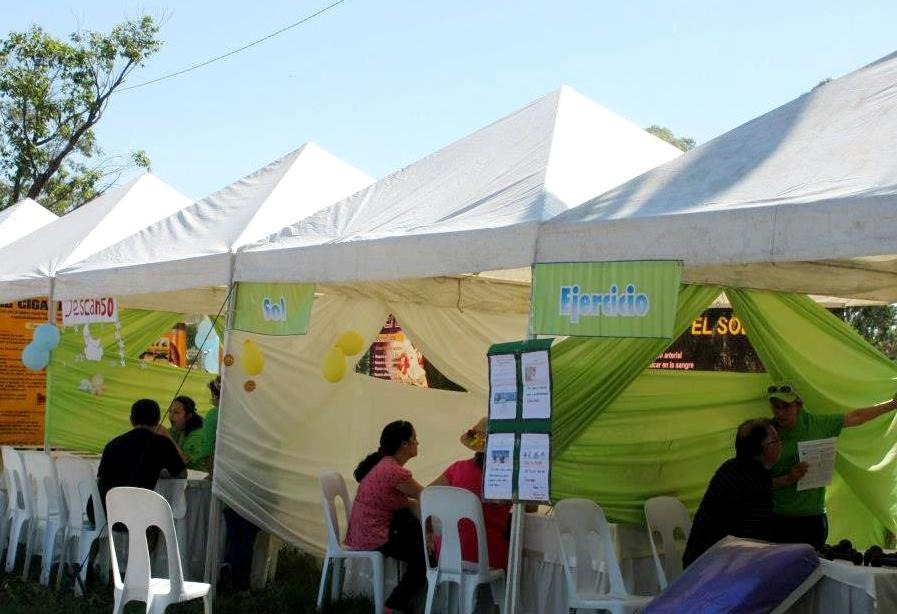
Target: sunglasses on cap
(786, 389)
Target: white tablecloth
(543, 587)
(846, 588)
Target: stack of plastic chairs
(20, 507)
(48, 523)
(580, 519)
(79, 487)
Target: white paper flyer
(532, 480)
(499, 467)
(819, 454)
(536, 385)
(502, 387)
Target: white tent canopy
(29, 265)
(194, 247)
(22, 218)
(803, 198)
(474, 205)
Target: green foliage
(877, 324)
(52, 94)
(683, 143)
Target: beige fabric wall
(274, 440)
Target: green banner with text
(273, 309)
(606, 299)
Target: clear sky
(381, 83)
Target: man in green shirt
(800, 514)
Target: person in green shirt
(800, 514)
(186, 431)
(210, 427)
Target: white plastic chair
(578, 519)
(449, 505)
(79, 486)
(138, 509)
(20, 510)
(49, 514)
(663, 515)
(332, 486)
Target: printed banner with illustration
(606, 299)
(273, 309)
(99, 369)
(22, 392)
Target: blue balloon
(35, 357)
(210, 362)
(204, 331)
(46, 336)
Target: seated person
(382, 514)
(186, 431)
(738, 500)
(468, 474)
(137, 457)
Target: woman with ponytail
(383, 511)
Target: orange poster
(22, 392)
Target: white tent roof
(22, 218)
(193, 247)
(803, 198)
(471, 206)
(28, 264)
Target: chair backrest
(138, 509)
(582, 520)
(450, 505)
(41, 473)
(332, 486)
(663, 515)
(17, 484)
(79, 486)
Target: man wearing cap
(800, 514)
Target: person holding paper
(738, 500)
(800, 514)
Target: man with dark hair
(137, 457)
(738, 500)
(800, 514)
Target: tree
(52, 94)
(877, 324)
(667, 135)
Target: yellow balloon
(350, 342)
(334, 366)
(252, 360)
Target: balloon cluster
(36, 354)
(207, 342)
(349, 343)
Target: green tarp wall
(624, 433)
(81, 416)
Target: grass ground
(293, 590)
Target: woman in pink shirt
(468, 474)
(383, 513)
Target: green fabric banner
(635, 298)
(89, 391)
(273, 309)
(664, 435)
(834, 370)
(623, 434)
(588, 374)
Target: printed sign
(606, 299)
(22, 392)
(273, 309)
(89, 311)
